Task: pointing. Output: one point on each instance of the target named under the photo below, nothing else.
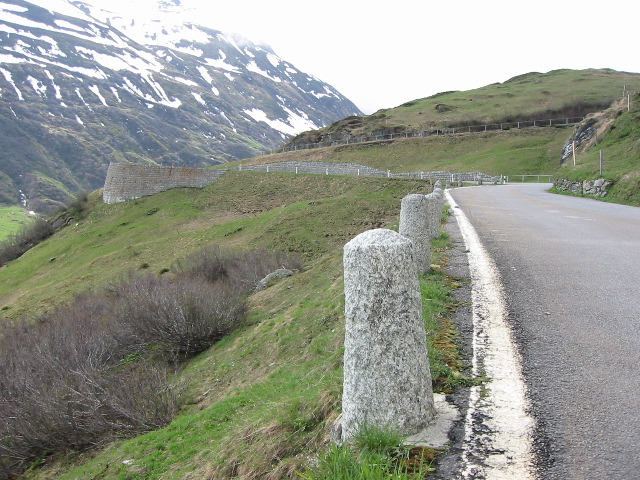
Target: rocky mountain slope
(81, 86)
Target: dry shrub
(177, 317)
(65, 386)
(96, 369)
(243, 270)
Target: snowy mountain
(81, 86)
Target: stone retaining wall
(594, 188)
(127, 181)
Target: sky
(382, 54)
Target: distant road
(571, 271)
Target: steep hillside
(614, 134)
(242, 209)
(80, 87)
(507, 149)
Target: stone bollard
(435, 207)
(414, 224)
(387, 380)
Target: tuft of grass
(375, 454)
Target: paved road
(571, 271)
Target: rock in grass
(280, 273)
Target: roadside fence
(552, 122)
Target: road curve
(569, 268)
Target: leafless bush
(243, 270)
(95, 369)
(177, 317)
(64, 384)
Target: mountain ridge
(78, 91)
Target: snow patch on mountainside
(295, 122)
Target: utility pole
(573, 148)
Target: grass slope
(554, 94)
(260, 402)
(306, 214)
(525, 151)
(12, 218)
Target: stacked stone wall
(594, 188)
(127, 182)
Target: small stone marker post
(433, 208)
(387, 380)
(414, 224)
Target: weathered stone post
(414, 224)
(387, 380)
(434, 208)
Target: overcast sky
(382, 54)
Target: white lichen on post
(415, 225)
(387, 380)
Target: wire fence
(355, 139)
(354, 169)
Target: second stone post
(415, 221)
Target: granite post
(387, 380)
(414, 224)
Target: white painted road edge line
(498, 428)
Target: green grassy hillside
(260, 402)
(240, 210)
(11, 220)
(559, 93)
(525, 151)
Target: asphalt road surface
(570, 268)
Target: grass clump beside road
(261, 401)
(374, 455)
